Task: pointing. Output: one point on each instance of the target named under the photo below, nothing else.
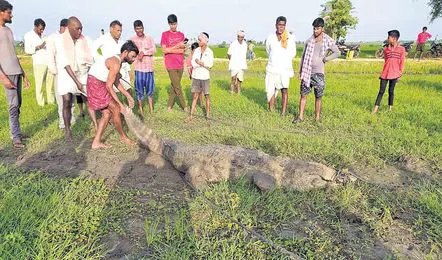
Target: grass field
(368, 50)
(395, 213)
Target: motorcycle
(380, 52)
(344, 48)
(435, 50)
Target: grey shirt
(8, 57)
(318, 61)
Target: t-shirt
(172, 60)
(423, 37)
(394, 62)
(318, 65)
(8, 57)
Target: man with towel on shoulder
(73, 56)
(281, 49)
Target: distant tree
(224, 44)
(338, 18)
(436, 9)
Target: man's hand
(181, 45)
(80, 87)
(199, 62)
(122, 107)
(27, 83)
(9, 84)
(140, 55)
(41, 46)
(131, 102)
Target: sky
(221, 19)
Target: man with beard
(11, 73)
(103, 75)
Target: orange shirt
(394, 62)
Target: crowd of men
(93, 72)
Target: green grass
(346, 222)
(47, 218)
(67, 217)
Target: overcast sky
(221, 19)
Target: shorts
(317, 82)
(199, 85)
(420, 47)
(144, 84)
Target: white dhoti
(65, 84)
(239, 74)
(275, 82)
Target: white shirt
(280, 59)
(238, 55)
(50, 46)
(32, 40)
(64, 83)
(110, 47)
(198, 72)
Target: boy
(202, 62)
(173, 46)
(421, 40)
(394, 56)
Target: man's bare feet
(188, 119)
(186, 109)
(169, 109)
(96, 146)
(67, 135)
(128, 141)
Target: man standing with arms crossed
(172, 44)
